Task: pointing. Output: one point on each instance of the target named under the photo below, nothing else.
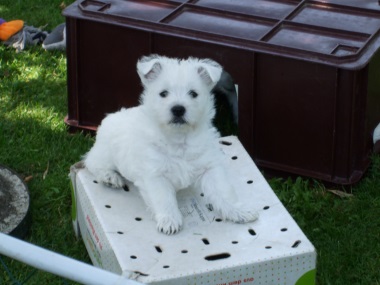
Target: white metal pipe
(58, 264)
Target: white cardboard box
(121, 236)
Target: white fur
(162, 154)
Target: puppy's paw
(241, 215)
(113, 179)
(169, 225)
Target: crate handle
(345, 50)
(94, 6)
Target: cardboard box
(120, 234)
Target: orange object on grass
(10, 28)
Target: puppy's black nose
(178, 111)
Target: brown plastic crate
(308, 72)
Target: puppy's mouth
(178, 121)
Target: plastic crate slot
(263, 8)
(218, 220)
(138, 219)
(120, 232)
(184, 251)
(296, 243)
(165, 266)
(284, 229)
(133, 257)
(249, 181)
(234, 242)
(96, 182)
(268, 247)
(205, 241)
(234, 157)
(126, 188)
(266, 207)
(217, 256)
(107, 206)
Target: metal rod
(58, 264)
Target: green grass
(345, 231)
(34, 138)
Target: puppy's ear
(210, 72)
(148, 68)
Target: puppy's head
(177, 93)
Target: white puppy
(168, 143)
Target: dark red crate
(308, 72)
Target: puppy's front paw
(169, 225)
(241, 215)
(113, 179)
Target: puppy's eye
(164, 93)
(193, 94)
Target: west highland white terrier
(168, 143)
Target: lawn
(34, 142)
